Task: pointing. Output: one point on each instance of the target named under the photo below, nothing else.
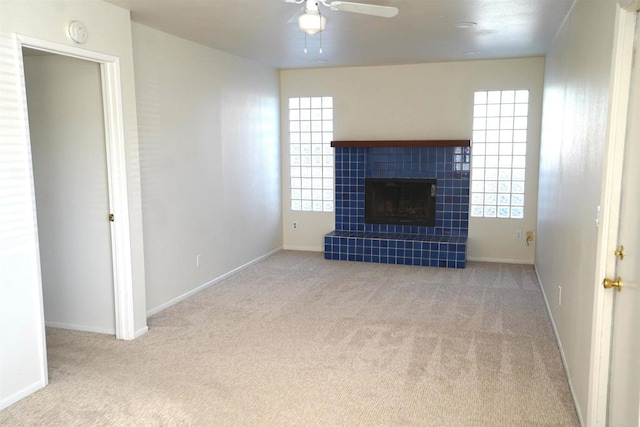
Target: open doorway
(116, 217)
(66, 127)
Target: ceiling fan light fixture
(468, 24)
(312, 22)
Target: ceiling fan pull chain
(305, 42)
(320, 38)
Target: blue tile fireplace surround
(442, 245)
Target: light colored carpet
(298, 340)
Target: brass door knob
(608, 284)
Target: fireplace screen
(400, 201)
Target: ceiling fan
(311, 21)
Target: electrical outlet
(295, 224)
(518, 234)
(198, 260)
(559, 295)
(529, 236)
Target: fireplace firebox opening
(400, 201)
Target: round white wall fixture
(78, 32)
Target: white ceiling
(423, 31)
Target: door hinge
(111, 217)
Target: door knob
(608, 284)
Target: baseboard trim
(502, 260)
(16, 397)
(304, 248)
(204, 286)
(141, 332)
(562, 355)
(80, 328)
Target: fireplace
(400, 201)
(441, 243)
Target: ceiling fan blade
(366, 9)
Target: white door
(624, 385)
(66, 122)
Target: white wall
(22, 363)
(426, 101)
(66, 125)
(210, 158)
(574, 131)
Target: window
(499, 153)
(311, 155)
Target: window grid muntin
(500, 120)
(310, 154)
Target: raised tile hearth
(442, 245)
